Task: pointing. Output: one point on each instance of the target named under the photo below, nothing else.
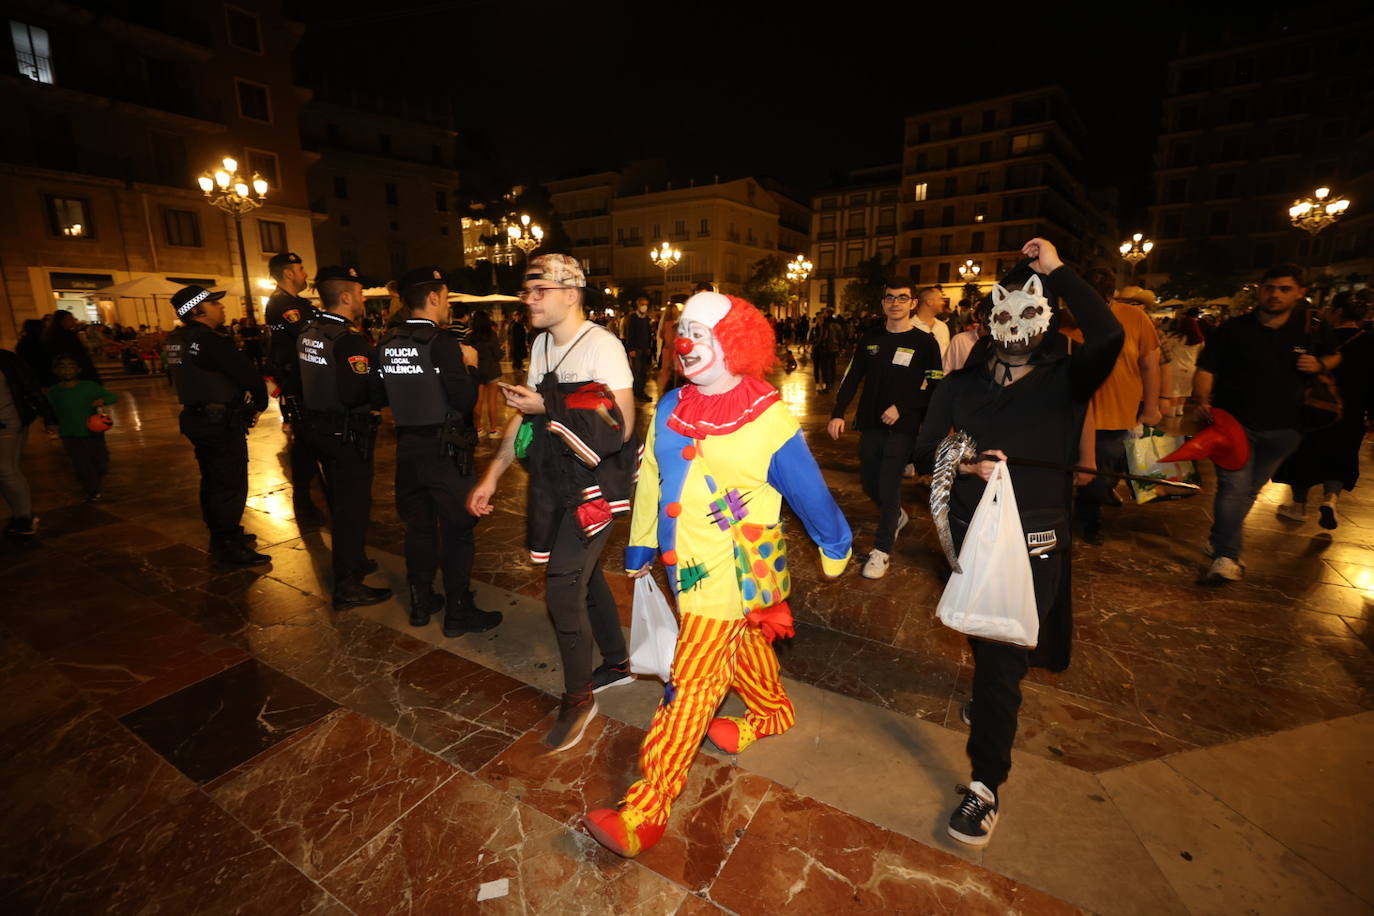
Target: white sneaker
(901, 523)
(876, 567)
(1224, 569)
(1294, 512)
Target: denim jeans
(1236, 490)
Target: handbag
(653, 631)
(1321, 397)
(993, 597)
(1142, 459)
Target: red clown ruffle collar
(700, 415)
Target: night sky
(543, 90)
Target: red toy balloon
(99, 422)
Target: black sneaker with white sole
(608, 675)
(972, 822)
(574, 714)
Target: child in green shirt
(75, 401)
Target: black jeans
(430, 499)
(90, 460)
(1111, 456)
(222, 454)
(639, 367)
(823, 364)
(883, 454)
(581, 604)
(348, 481)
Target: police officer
(221, 395)
(287, 315)
(423, 372)
(335, 358)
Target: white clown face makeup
(1019, 316)
(699, 353)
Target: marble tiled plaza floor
(183, 738)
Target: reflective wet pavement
(188, 738)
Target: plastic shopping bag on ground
(1142, 458)
(994, 597)
(653, 631)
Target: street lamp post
(527, 236)
(1135, 251)
(665, 258)
(798, 269)
(226, 189)
(970, 271)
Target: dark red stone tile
(190, 857)
(800, 852)
(453, 707)
(213, 726)
(145, 660)
(320, 796)
(435, 859)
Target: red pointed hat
(1224, 441)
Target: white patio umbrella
(141, 288)
(493, 297)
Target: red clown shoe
(622, 831)
(731, 734)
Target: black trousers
(639, 367)
(883, 454)
(222, 453)
(305, 463)
(90, 460)
(823, 364)
(581, 604)
(998, 669)
(348, 481)
(431, 499)
(1111, 456)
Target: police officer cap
(188, 297)
(341, 273)
(285, 259)
(420, 276)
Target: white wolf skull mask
(1019, 315)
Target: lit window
(68, 217)
(32, 52)
(921, 190)
(1027, 143)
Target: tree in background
(768, 285)
(864, 294)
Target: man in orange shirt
(1129, 397)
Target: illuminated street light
(1315, 213)
(236, 195)
(665, 258)
(527, 236)
(1135, 251)
(798, 270)
(970, 271)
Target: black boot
(423, 603)
(354, 592)
(466, 617)
(232, 550)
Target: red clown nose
(683, 345)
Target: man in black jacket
(897, 364)
(1022, 393)
(221, 396)
(335, 359)
(424, 374)
(21, 400)
(287, 314)
(639, 344)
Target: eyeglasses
(903, 298)
(537, 292)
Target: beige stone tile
(1307, 788)
(1217, 861)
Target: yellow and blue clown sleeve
(793, 472)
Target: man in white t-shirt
(930, 303)
(579, 601)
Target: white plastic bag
(994, 597)
(653, 631)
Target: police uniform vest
(318, 362)
(195, 385)
(413, 386)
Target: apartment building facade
(852, 223)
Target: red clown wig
(747, 339)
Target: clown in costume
(721, 455)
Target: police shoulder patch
(355, 329)
(291, 316)
(359, 364)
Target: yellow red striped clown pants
(712, 657)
